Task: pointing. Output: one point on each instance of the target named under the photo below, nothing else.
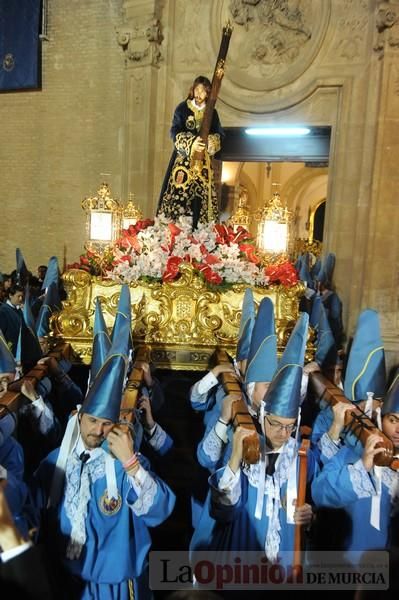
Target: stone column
(140, 38)
(382, 266)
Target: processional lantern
(241, 216)
(102, 220)
(273, 226)
(130, 213)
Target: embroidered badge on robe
(110, 506)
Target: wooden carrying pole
(13, 398)
(135, 380)
(301, 499)
(355, 420)
(240, 415)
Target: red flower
(84, 260)
(250, 252)
(223, 236)
(209, 275)
(208, 258)
(227, 235)
(283, 274)
(172, 268)
(143, 224)
(241, 234)
(174, 232)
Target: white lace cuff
(206, 383)
(3, 472)
(221, 431)
(361, 481)
(212, 445)
(146, 488)
(158, 438)
(328, 446)
(44, 414)
(230, 485)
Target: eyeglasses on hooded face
(279, 427)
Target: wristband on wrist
(222, 422)
(130, 462)
(132, 470)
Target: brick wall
(55, 142)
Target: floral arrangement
(153, 251)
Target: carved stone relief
(273, 42)
(191, 37)
(387, 24)
(141, 42)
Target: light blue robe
(117, 544)
(228, 521)
(344, 483)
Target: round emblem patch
(190, 122)
(8, 62)
(109, 506)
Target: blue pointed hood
(326, 350)
(7, 360)
(315, 270)
(103, 400)
(51, 304)
(123, 318)
(303, 271)
(298, 263)
(391, 400)
(262, 358)
(101, 341)
(52, 273)
(284, 393)
(18, 350)
(22, 269)
(326, 271)
(315, 312)
(31, 342)
(27, 311)
(365, 370)
(246, 325)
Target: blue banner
(20, 64)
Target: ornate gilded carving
(302, 245)
(182, 322)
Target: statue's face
(200, 94)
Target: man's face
(16, 298)
(278, 430)
(5, 379)
(94, 430)
(390, 426)
(41, 273)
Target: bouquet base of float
(181, 322)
